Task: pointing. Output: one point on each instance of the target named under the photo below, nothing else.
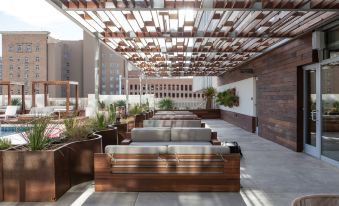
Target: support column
(68, 91)
(9, 95)
(23, 99)
(96, 69)
(33, 94)
(45, 95)
(126, 85)
(76, 98)
(140, 89)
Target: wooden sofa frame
(214, 139)
(167, 173)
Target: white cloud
(34, 12)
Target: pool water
(7, 130)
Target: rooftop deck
(270, 175)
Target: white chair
(10, 112)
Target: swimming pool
(11, 129)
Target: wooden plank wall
(278, 90)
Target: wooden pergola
(9, 97)
(57, 82)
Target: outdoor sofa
(172, 123)
(171, 136)
(172, 168)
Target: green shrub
(38, 135)
(120, 103)
(136, 109)
(165, 104)
(76, 129)
(228, 98)
(111, 114)
(16, 102)
(5, 143)
(101, 105)
(99, 122)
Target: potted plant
(137, 112)
(47, 166)
(209, 93)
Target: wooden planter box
(139, 118)
(109, 137)
(40, 176)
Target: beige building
(0, 74)
(111, 70)
(24, 58)
(164, 87)
(65, 62)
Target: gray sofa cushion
(157, 123)
(186, 123)
(169, 143)
(132, 149)
(190, 134)
(151, 134)
(197, 149)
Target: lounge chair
(317, 200)
(37, 112)
(10, 112)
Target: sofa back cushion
(157, 123)
(186, 123)
(198, 149)
(131, 149)
(151, 134)
(190, 134)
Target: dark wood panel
(227, 179)
(279, 90)
(244, 121)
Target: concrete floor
(270, 175)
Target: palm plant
(99, 122)
(166, 104)
(209, 93)
(120, 103)
(111, 113)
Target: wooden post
(45, 95)
(76, 98)
(23, 99)
(68, 90)
(9, 95)
(33, 94)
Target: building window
(185, 87)
(185, 95)
(173, 87)
(135, 87)
(190, 87)
(19, 48)
(11, 59)
(37, 59)
(177, 87)
(169, 87)
(28, 47)
(130, 86)
(37, 75)
(173, 95)
(37, 48)
(160, 95)
(182, 94)
(194, 95)
(37, 67)
(198, 95)
(182, 87)
(177, 95)
(26, 59)
(10, 48)
(11, 67)
(190, 95)
(160, 86)
(164, 86)
(165, 94)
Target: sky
(36, 15)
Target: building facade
(0, 74)
(175, 88)
(24, 58)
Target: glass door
(330, 110)
(311, 110)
